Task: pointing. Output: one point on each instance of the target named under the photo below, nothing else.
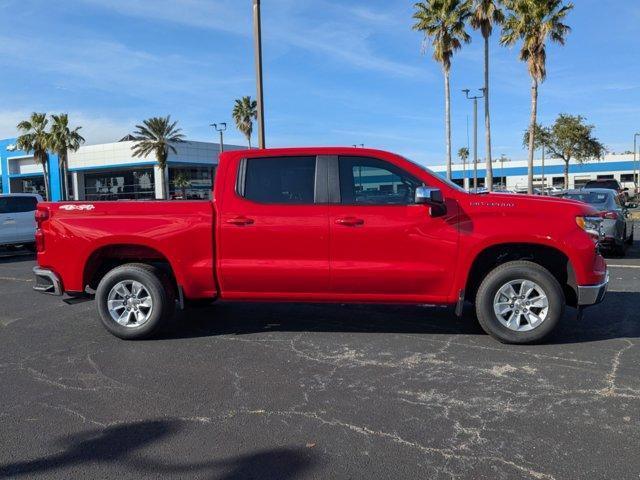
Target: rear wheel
(134, 300)
(519, 302)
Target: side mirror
(429, 196)
(632, 205)
(432, 197)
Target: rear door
(384, 247)
(273, 232)
(7, 221)
(24, 208)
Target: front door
(273, 232)
(383, 246)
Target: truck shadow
(129, 447)
(615, 318)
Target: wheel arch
(107, 257)
(551, 258)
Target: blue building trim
(55, 190)
(592, 167)
(116, 166)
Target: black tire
(519, 270)
(160, 289)
(619, 249)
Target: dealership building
(513, 174)
(109, 171)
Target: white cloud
(287, 22)
(95, 129)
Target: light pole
(475, 134)
(257, 36)
(220, 127)
(635, 164)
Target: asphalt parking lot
(315, 391)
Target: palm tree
(157, 135)
(534, 22)
(63, 140)
(36, 139)
(182, 182)
(244, 112)
(463, 154)
(443, 21)
(486, 14)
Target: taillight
(592, 225)
(609, 215)
(39, 240)
(42, 214)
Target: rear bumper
(592, 294)
(47, 282)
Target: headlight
(593, 226)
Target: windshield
(453, 185)
(592, 198)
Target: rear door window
(282, 180)
(18, 204)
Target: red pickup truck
(326, 225)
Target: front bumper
(592, 294)
(47, 282)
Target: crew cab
(341, 225)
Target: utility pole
(257, 36)
(544, 182)
(635, 164)
(475, 135)
(220, 127)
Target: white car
(17, 218)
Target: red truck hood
(509, 200)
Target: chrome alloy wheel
(130, 303)
(521, 305)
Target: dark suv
(610, 184)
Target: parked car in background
(17, 219)
(553, 191)
(611, 184)
(525, 190)
(617, 224)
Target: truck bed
(181, 233)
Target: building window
(627, 177)
(499, 181)
(458, 181)
(605, 177)
(120, 185)
(558, 181)
(33, 184)
(191, 183)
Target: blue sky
(337, 72)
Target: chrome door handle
(349, 221)
(240, 221)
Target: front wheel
(519, 302)
(134, 300)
